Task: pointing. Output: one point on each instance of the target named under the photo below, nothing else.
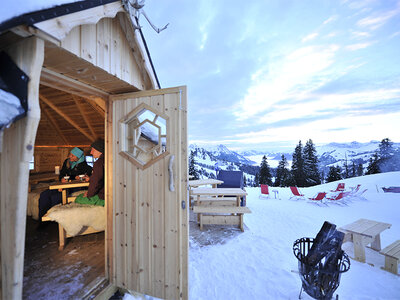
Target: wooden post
(17, 151)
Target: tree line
(305, 170)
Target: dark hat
(98, 145)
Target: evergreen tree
(373, 166)
(311, 164)
(334, 174)
(386, 162)
(385, 148)
(346, 168)
(265, 172)
(283, 176)
(244, 181)
(360, 169)
(297, 171)
(192, 169)
(257, 180)
(353, 170)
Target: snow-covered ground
(258, 263)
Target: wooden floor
(53, 274)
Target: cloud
(358, 46)
(378, 20)
(360, 34)
(330, 19)
(293, 76)
(309, 37)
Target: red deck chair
(339, 198)
(339, 188)
(318, 198)
(296, 193)
(264, 191)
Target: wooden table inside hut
(65, 186)
(221, 206)
(363, 232)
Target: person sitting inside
(95, 194)
(73, 166)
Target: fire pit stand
(320, 277)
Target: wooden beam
(95, 106)
(68, 119)
(61, 26)
(53, 123)
(63, 83)
(17, 151)
(85, 117)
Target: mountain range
(330, 154)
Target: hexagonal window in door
(143, 136)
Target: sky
(266, 74)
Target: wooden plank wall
(150, 227)
(17, 151)
(105, 45)
(46, 158)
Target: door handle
(171, 173)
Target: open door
(148, 192)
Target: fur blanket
(74, 217)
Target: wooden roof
(67, 119)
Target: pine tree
(257, 179)
(334, 174)
(265, 172)
(192, 169)
(353, 169)
(386, 162)
(346, 168)
(283, 176)
(298, 174)
(244, 181)
(373, 166)
(311, 164)
(360, 169)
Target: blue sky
(266, 74)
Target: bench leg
(359, 248)
(241, 222)
(201, 221)
(391, 264)
(376, 243)
(61, 237)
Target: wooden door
(149, 195)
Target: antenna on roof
(135, 9)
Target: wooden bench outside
(392, 256)
(221, 215)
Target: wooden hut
(91, 76)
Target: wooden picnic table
(200, 182)
(363, 232)
(219, 193)
(220, 206)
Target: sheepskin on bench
(74, 216)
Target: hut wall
(46, 158)
(106, 45)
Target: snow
(258, 263)
(11, 9)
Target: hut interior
(67, 120)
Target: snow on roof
(14, 8)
